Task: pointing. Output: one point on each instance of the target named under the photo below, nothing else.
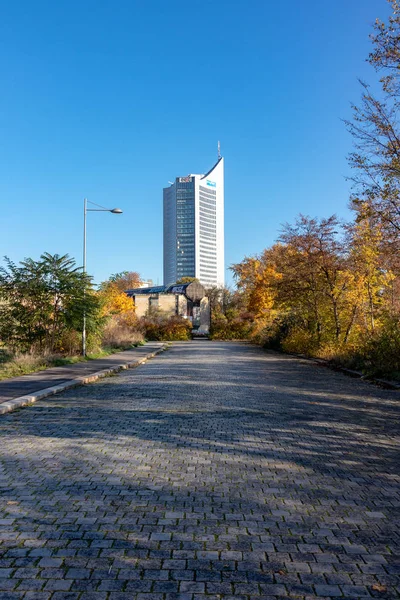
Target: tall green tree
(40, 300)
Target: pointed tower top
(219, 150)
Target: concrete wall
(167, 303)
(172, 304)
(141, 305)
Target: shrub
(159, 327)
(300, 341)
(117, 334)
(70, 343)
(275, 332)
(381, 351)
(236, 328)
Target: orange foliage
(117, 303)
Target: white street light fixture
(115, 211)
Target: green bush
(381, 352)
(158, 327)
(223, 328)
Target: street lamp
(115, 211)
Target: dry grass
(22, 364)
(117, 335)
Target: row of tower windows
(208, 214)
(206, 220)
(207, 209)
(207, 228)
(208, 259)
(207, 190)
(207, 202)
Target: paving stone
(139, 586)
(111, 585)
(165, 586)
(54, 585)
(9, 584)
(31, 584)
(328, 590)
(218, 470)
(5, 573)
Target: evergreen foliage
(42, 301)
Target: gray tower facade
(194, 228)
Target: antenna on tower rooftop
(219, 150)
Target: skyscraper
(194, 227)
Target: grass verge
(24, 364)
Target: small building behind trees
(187, 300)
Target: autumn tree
(305, 282)
(318, 273)
(115, 301)
(255, 277)
(385, 57)
(372, 279)
(376, 135)
(123, 281)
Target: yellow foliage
(257, 279)
(116, 302)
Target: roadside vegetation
(14, 365)
(42, 304)
(331, 289)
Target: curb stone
(15, 403)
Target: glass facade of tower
(170, 234)
(194, 227)
(185, 228)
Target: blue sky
(111, 100)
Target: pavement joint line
(28, 399)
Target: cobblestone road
(214, 471)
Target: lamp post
(115, 211)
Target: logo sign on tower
(211, 183)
